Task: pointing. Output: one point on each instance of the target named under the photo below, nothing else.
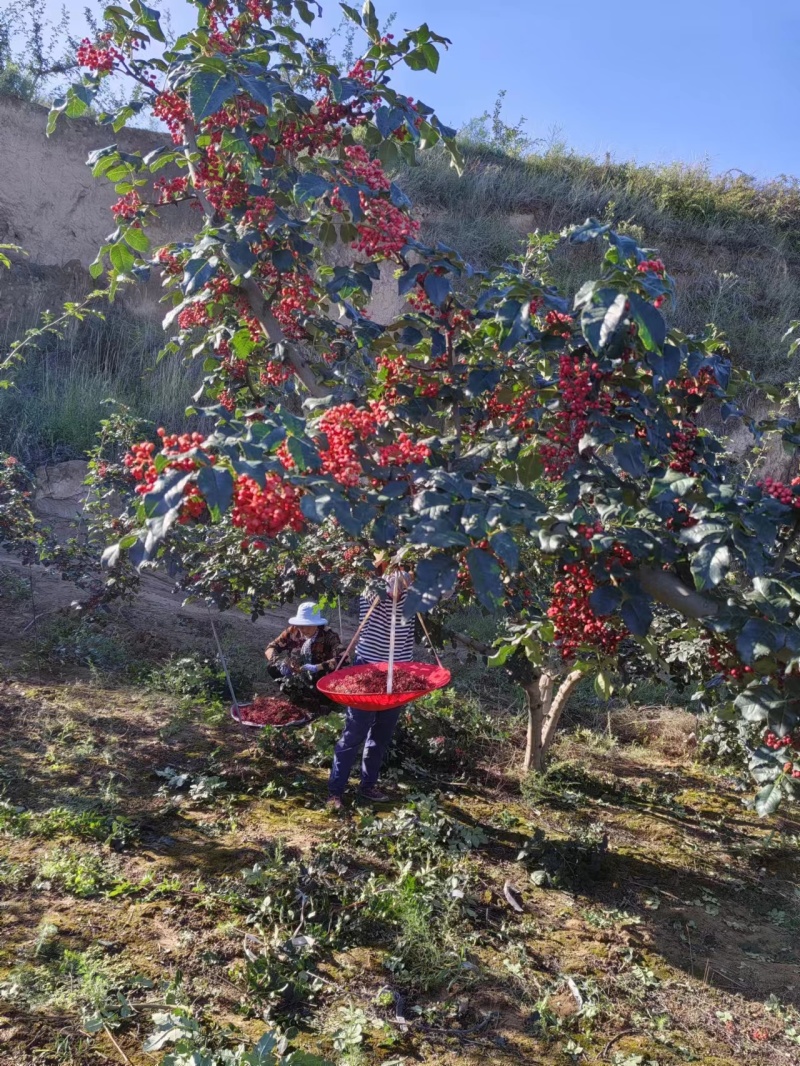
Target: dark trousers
(373, 729)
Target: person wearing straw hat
(306, 646)
(373, 730)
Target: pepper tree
(510, 439)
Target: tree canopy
(546, 457)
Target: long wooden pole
(357, 633)
(392, 633)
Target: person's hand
(310, 668)
(269, 654)
(286, 670)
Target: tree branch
(560, 701)
(270, 326)
(668, 589)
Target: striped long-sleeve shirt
(373, 644)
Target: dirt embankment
(52, 208)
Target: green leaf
(769, 797)
(136, 237)
(208, 92)
(652, 327)
(304, 11)
(242, 343)
(416, 60)
(505, 547)
(758, 640)
(630, 456)
(756, 702)
(311, 186)
(169, 1029)
(637, 615)
(216, 485)
(484, 570)
(711, 563)
(603, 687)
(121, 258)
(431, 54)
(370, 20)
(150, 19)
(304, 454)
(351, 13)
(434, 579)
(601, 317)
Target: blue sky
(692, 80)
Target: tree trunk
(544, 712)
(556, 709)
(533, 745)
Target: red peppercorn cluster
(395, 370)
(575, 622)
(682, 518)
(128, 206)
(384, 230)
(259, 212)
(171, 189)
(698, 386)
(364, 170)
(100, 57)
(560, 323)
(275, 374)
(344, 427)
(651, 266)
(579, 396)
(265, 512)
(174, 112)
(194, 315)
(296, 299)
(170, 263)
(220, 177)
(776, 743)
(140, 461)
(403, 452)
(515, 412)
(683, 442)
(724, 659)
(785, 494)
(260, 9)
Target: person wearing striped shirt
(373, 730)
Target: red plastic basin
(437, 677)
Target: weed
(566, 861)
(192, 675)
(419, 831)
(13, 875)
(202, 787)
(429, 945)
(13, 587)
(79, 642)
(80, 874)
(63, 978)
(350, 1032)
(116, 831)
